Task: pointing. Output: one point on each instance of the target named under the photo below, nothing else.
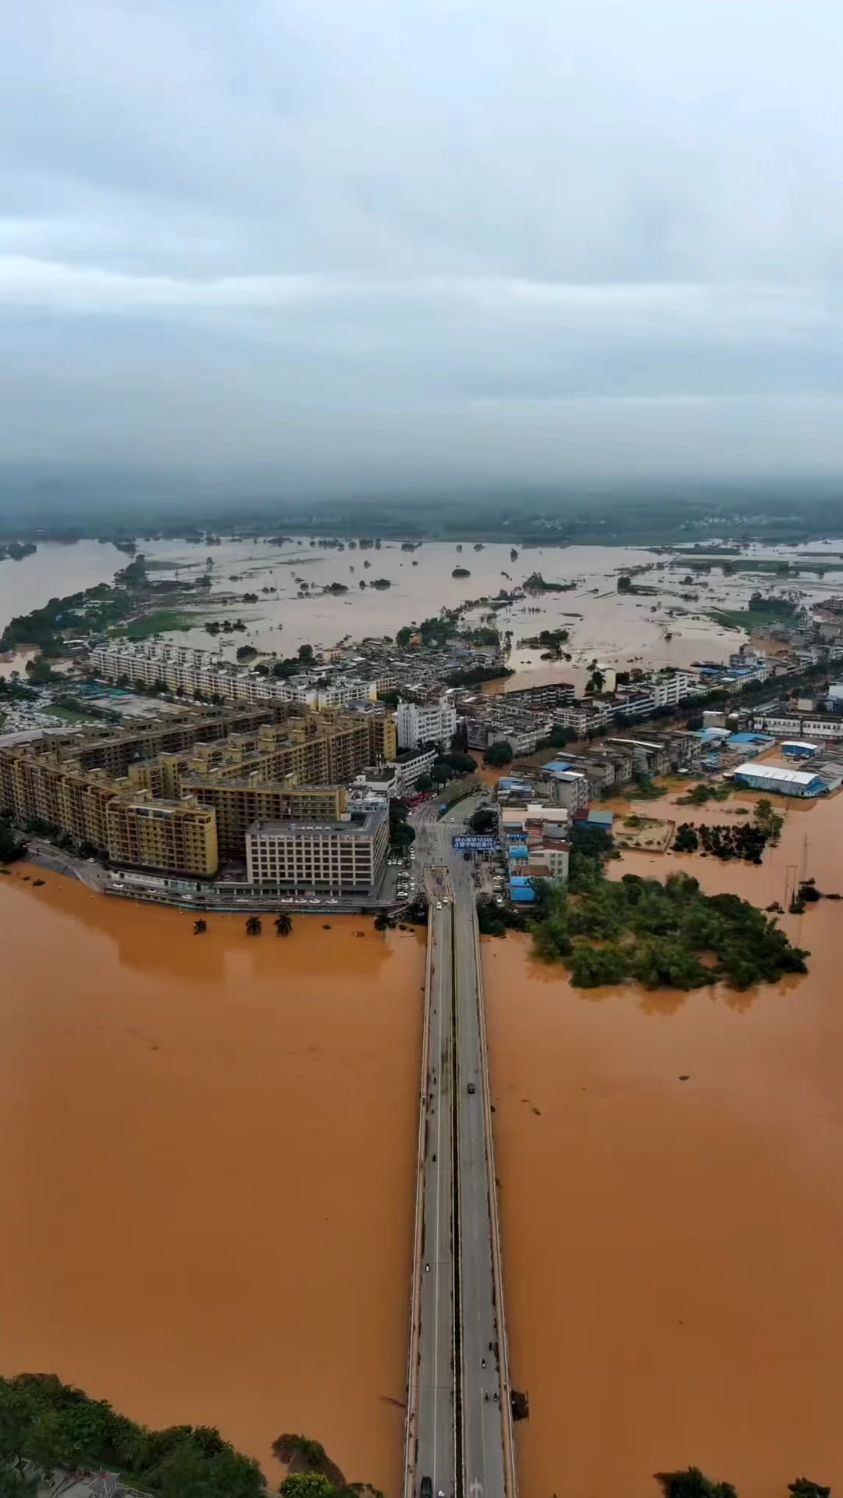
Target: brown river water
(206, 1185)
(672, 1248)
(207, 1148)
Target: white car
(438, 904)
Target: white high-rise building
(425, 723)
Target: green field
(70, 714)
(156, 623)
(752, 620)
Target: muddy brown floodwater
(207, 1151)
(673, 1248)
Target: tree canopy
(499, 753)
(56, 1426)
(669, 934)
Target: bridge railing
(411, 1419)
(497, 1252)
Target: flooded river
(673, 1248)
(207, 1149)
(53, 571)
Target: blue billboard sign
(474, 844)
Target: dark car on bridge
(426, 1489)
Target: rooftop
(356, 824)
(780, 773)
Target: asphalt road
(435, 1453)
(462, 1436)
(483, 1395)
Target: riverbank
(207, 1155)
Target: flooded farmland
(207, 1147)
(616, 628)
(672, 1203)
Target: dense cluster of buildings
(186, 795)
(526, 719)
(197, 673)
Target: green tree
(560, 736)
(461, 763)
(804, 1488)
(283, 924)
(483, 820)
(307, 1485)
(692, 1483)
(11, 847)
(424, 783)
(596, 682)
(401, 834)
(253, 925)
(305, 653)
(624, 584)
(768, 819)
(686, 839)
(499, 753)
(14, 1483)
(40, 671)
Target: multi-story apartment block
(186, 671)
(426, 723)
(342, 858)
(567, 788)
(174, 836)
(799, 725)
(557, 694)
(297, 768)
(409, 766)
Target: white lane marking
(436, 1230)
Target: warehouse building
(779, 780)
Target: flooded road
(672, 1248)
(207, 1151)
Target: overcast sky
(361, 242)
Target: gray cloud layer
(376, 241)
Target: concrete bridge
(459, 1417)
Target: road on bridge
(460, 1301)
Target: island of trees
(746, 840)
(535, 583)
(669, 934)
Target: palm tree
(597, 681)
(283, 924)
(253, 926)
(200, 927)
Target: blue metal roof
(522, 894)
(597, 818)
